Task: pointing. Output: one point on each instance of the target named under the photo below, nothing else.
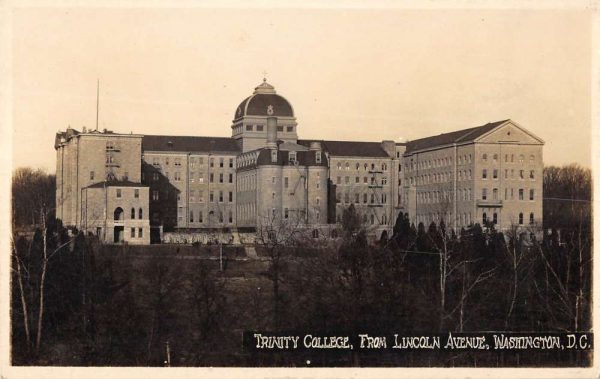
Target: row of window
(357, 166)
(371, 219)
(440, 177)
(508, 158)
(261, 128)
(200, 198)
(484, 174)
(356, 198)
(136, 193)
(372, 182)
(140, 233)
(507, 192)
(434, 163)
(198, 217)
(156, 162)
(494, 219)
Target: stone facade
(263, 174)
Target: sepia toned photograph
(281, 185)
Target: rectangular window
(136, 193)
(91, 175)
(531, 193)
(495, 193)
(484, 194)
(495, 174)
(521, 174)
(221, 162)
(532, 174)
(484, 174)
(221, 178)
(521, 194)
(230, 197)
(347, 180)
(200, 177)
(200, 216)
(289, 129)
(259, 128)
(364, 198)
(248, 128)
(280, 128)
(339, 180)
(318, 157)
(191, 216)
(220, 196)
(286, 182)
(286, 213)
(212, 197)
(118, 192)
(132, 232)
(212, 177)
(230, 162)
(212, 162)
(140, 232)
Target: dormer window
(274, 156)
(292, 156)
(318, 157)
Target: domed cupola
(249, 124)
(264, 102)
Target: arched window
(520, 218)
(140, 213)
(133, 213)
(484, 157)
(484, 218)
(495, 218)
(531, 159)
(118, 214)
(531, 218)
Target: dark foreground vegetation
(77, 302)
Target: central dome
(264, 102)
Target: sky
(350, 74)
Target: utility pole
(97, 102)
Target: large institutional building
(149, 188)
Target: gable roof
(462, 136)
(190, 144)
(350, 148)
(116, 183)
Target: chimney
(272, 132)
(389, 147)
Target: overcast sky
(349, 74)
